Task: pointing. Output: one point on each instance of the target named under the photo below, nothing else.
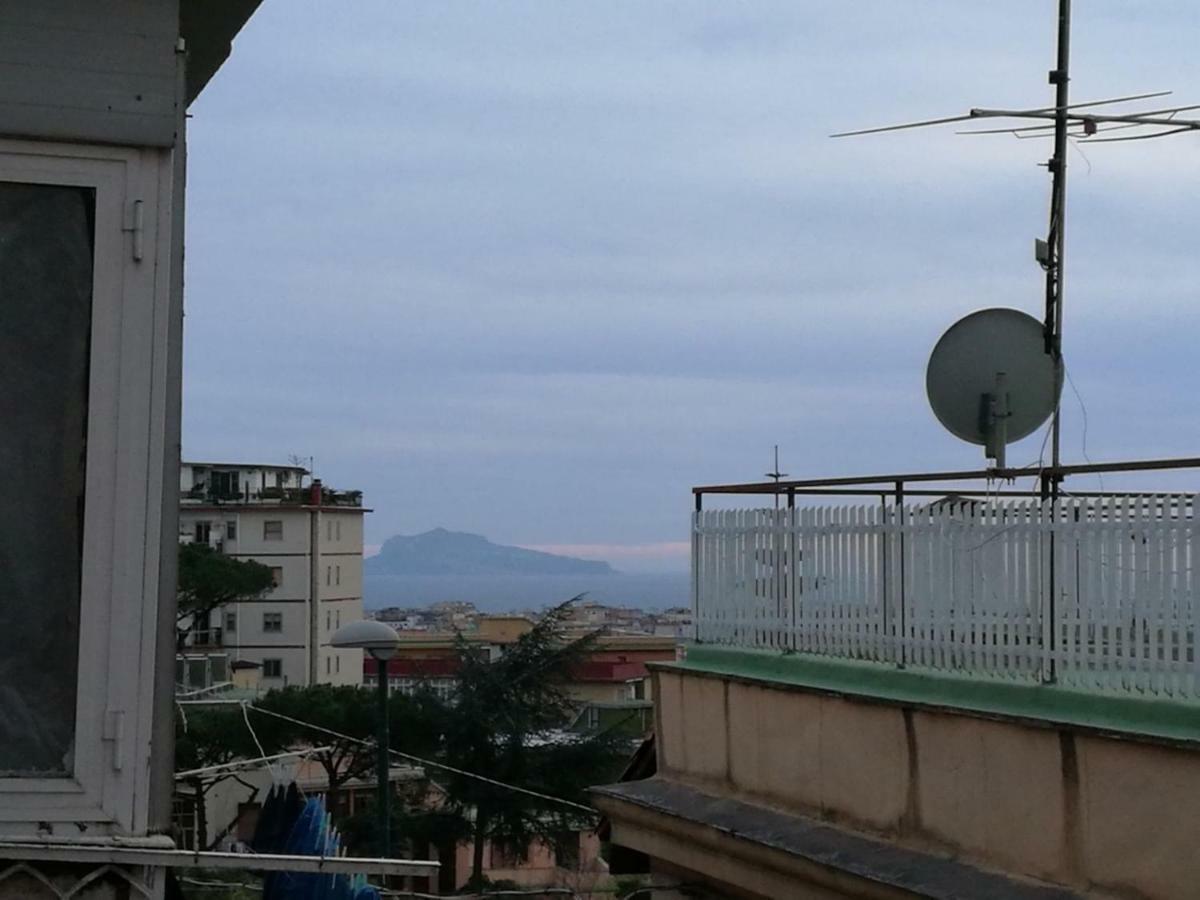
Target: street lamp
(380, 641)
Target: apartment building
(311, 537)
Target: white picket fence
(965, 587)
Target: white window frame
(127, 386)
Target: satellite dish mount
(995, 424)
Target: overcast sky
(535, 269)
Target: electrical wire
(426, 762)
(249, 763)
(257, 742)
(1083, 413)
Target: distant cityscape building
(311, 537)
(609, 688)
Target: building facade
(923, 700)
(93, 113)
(310, 537)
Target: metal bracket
(114, 732)
(135, 224)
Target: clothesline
(249, 763)
(427, 762)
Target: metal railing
(1095, 592)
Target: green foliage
(205, 738)
(211, 737)
(209, 580)
(506, 722)
(347, 710)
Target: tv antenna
(776, 475)
(1066, 120)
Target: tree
(506, 722)
(206, 738)
(347, 710)
(209, 580)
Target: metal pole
(695, 573)
(1059, 77)
(1058, 208)
(901, 657)
(382, 782)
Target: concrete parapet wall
(1099, 812)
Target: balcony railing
(1096, 593)
(273, 495)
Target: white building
(93, 109)
(311, 537)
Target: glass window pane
(46, 241)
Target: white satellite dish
(990, 380)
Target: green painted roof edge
(1172, 720)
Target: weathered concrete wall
(84, 71)
(1099, 813)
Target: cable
(247, 763)
(428, 762)
(1083, 412)
(257, 742)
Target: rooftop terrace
(1094, 592)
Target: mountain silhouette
(442, 552)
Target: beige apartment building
(311, 537)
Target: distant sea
(504, 593)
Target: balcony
(1094, 593)
(317, 495)
(918, 686)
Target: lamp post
(380, 641)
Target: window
(225, 485)
(507, 857)
(566, 850)
(273, 622)
(339, 529)
(45, 264)
(231, 622)
(231, 531)
(203, 532)
(276, 575)
(329, 529)
(337, 575)
(272, 668)
(81, 299)
(337, 664)
(329, 665)
(337, 618)
(273, 530)
(247, 821)
(328, 575)
(328, 620)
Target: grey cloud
(534, 269)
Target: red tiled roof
(409, 667)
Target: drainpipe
(314, 580)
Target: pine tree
(507, 722)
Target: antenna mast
(776, 475)
(1053, 255)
